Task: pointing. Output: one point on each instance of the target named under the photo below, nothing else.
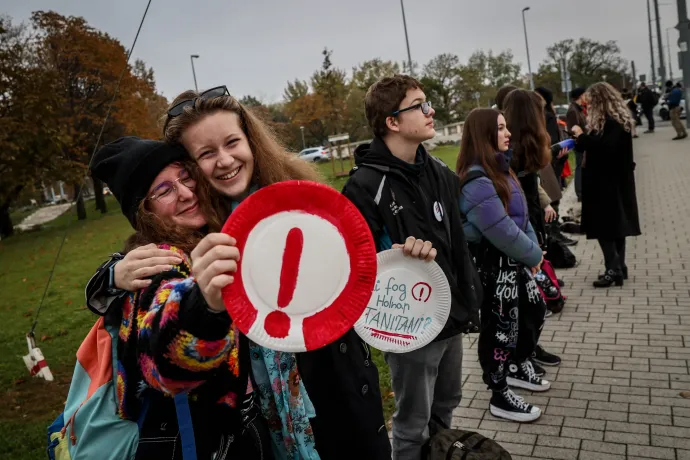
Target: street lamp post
(668, 47)
(301, 128)
(662, 66)
(529, 64)
(684, 55)
(651, 43)
(407, 41)
(191, 58)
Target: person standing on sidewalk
(673, 99)
(609, 204)
(411, 199)
(576, 116)
(648, 99)
(507, 254)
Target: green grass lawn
(29, 404)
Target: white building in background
(60, 191)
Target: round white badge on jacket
(438, 211)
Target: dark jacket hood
(377, 153)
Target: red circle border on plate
(334, 321)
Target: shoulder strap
(470, 176)
(184, 422)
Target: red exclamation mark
(277, 322)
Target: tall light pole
(407, 40)
(301, 128)
(191, 58)
(651, 43)
(662, 67)
(529, 64)
(668, 47)
(684, 55)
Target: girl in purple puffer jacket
(507, 254)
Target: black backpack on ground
(448, 444)
(559, 254)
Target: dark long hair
(530, 141)
(480, 147)
(152, 229)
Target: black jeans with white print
(512, 316)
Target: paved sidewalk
(43, 215)
(625, 350)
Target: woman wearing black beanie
(173, 342)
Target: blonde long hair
(272, 161)
(603, 100)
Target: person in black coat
(609, 203)
(648, 100)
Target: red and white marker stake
(35, 361)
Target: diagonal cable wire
(83, 183)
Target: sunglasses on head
(177, 109)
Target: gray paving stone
(604, 447)
(648, 418)
(555, 452)
(677, 432)
(516, 438)
(581, 433)
(651, 452)
(607, 415)
(518, 449)
(626, 438)
(586, 455)
(625, 427)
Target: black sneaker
(506, 404)
(544, 358)
(561, 283)
(523, 376)
(538, 370)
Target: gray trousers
(425, 382)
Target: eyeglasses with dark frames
(425, 106)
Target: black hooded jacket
(399, 200)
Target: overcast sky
(256, 46)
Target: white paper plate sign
(307, 269)
(409, 306)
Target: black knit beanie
(576, 93)
(545, 93)
(128, 167)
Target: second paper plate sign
(409, 306)
(307, 267)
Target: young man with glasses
(411, 200)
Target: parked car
(561, 111)
(315, 154)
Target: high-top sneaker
(523, 376)
(538, 370)
(543, 357)
(506, 404)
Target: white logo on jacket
(438, 211)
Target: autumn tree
(440, 79)
(85, 66)
(588, 61)
(295, 90)
(369, 72)
(30, 143)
